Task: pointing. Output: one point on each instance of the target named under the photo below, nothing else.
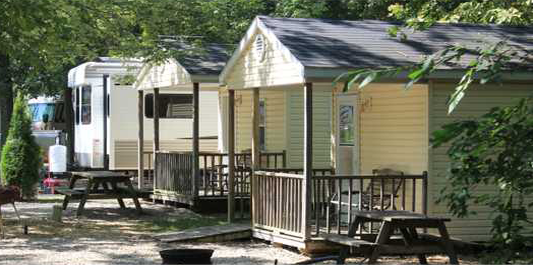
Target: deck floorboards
(208, 233)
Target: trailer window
(86, 105)
(171, 106)
(77, 104)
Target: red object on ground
(52, 183)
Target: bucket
(186, 256)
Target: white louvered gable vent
(260, 47)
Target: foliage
(21, 157)
(494, 151)
(423, 13)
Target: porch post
(308, 159)
(140, 139)
(195, 138)
(156, 129)
(231, 156)
(255, 151)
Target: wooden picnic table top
(98, 174)
(390, 216)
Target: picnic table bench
(386, 242)
(100, 185)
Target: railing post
(308, 159)
(425, 192)
(255, 148)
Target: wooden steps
(208, 234)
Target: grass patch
(178, 224)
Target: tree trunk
(6, 98)
(69, 123)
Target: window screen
(86, 105)
(171, 106)
(77, 100)
(262, 125)
(346, 125)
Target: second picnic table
(109, 183)
(411, 243)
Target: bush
(494, 151)
(21, 156)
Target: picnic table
(408, 242)
(100, 185)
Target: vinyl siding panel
(125, 152)
(322, 113)
(275, 69)
(167, 74)
(275, 120)
(123, 127)
(393, 128)
(478, 101)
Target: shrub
(494, 151)
(21, 156)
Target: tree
(21, 156)
(496, 151)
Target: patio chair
(371, 196)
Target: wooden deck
(208, 234)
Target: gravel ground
(108, 235)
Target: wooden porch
(174, 180)
(279, 207)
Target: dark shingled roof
(327, 43)
(208, 61)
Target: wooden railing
(173, 173)
(278, 199)
(335, 198)
(277, 202)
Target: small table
(383, 243)
(108, 181)
(407, 222)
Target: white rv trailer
(101, 98)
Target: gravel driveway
(108, 235)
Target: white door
(347, 155)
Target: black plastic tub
(186, 256)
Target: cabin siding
(124, 128)
(393, 128)
(125, 152)
(322, 112)
(167, 74)
(478, 101)
(275, 119)
(275, 69)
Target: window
(41, 110)
(86, 105)
(77, 100)
(262, 125)
(171, 106)
(346, 125)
